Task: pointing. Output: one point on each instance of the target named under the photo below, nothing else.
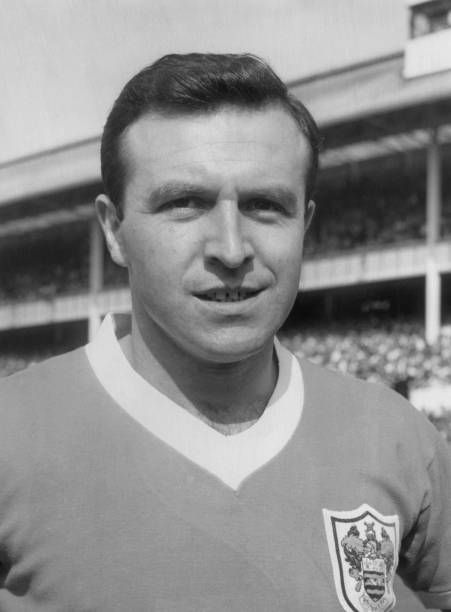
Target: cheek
(142, 245)
(286, 255)
(157, 262)
(288, 271)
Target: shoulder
(370, 408)
(46, 377)
(51, 415)
(42, 392)
(354, 393)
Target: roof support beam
(433, 214)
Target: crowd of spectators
(388, 354)
(66, 273)
(43, 282)
(52, 264)
(49, 263)
(382, 202)
(361, 214)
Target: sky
(63, 62)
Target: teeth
(228, 295)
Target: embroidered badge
(363, 547)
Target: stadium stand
(55, 261)
(370, 206)
(397, 351)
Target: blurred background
(375, 298)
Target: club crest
(363, 547)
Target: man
(184, 460)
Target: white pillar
(433, 214)
(95, 276)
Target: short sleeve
(425, 562)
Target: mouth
(227, 294)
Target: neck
(229, 397)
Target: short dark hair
(198, 83)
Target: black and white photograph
(225, 305)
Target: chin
(232, 349)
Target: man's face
(213, 228)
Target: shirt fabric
(114, 498)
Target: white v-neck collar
(230, 458)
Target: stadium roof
(369, 88)
(49, 171)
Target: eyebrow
(278, 194)
(178, 189)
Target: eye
(264, 207)
(187, 202)
(183, 206)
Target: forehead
(228, 145)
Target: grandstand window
(429, 17)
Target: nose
(226, 242)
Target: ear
(111, 226)
(309, 212)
